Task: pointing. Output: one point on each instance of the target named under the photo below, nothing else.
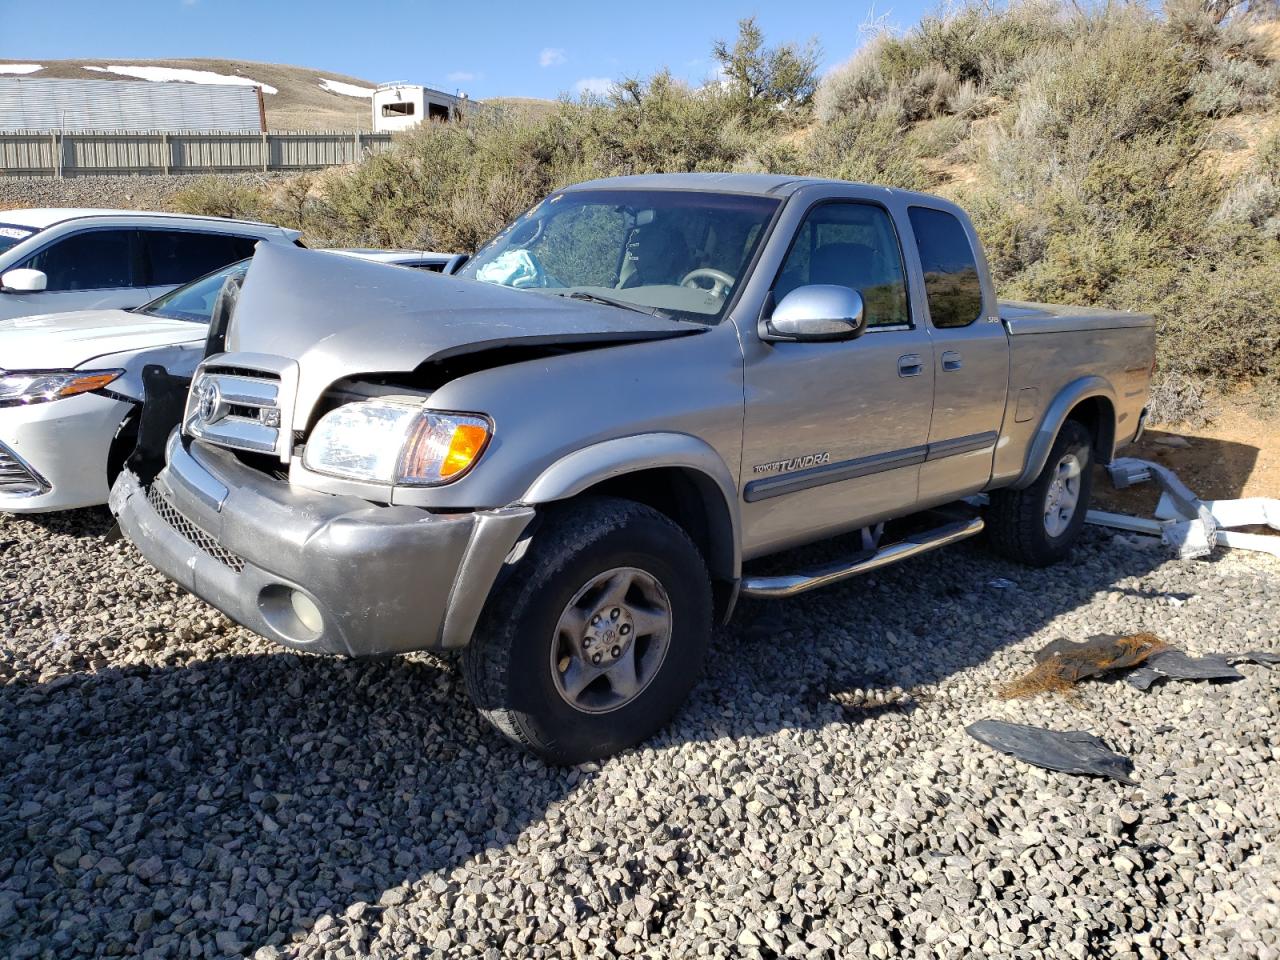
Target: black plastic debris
(1067, 751)
(1254, 656)
(1062, 662)
(1178, 666)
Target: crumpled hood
(339, 317)
(64, 341)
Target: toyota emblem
(210, 408)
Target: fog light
(306, 611)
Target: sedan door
(835, 432)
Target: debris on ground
(1000, 583)
(1067, 751)
(1176, 665)
(1061, 663)
(1193, 527)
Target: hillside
(302, 100)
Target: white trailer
(399, 106)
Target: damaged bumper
(329, 574)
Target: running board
(775, 588)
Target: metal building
(123, 105)
(399, 106)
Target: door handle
(951, 360)
(910, 365)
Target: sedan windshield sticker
(794, 463)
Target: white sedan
(72, 388)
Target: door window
(850, 245)
(951, 282)
(177, 256)
(93, 260)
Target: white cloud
(551, 57)
(461, 76)
(600, 86)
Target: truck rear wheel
(597, 636)
(1039, 524)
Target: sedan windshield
(194, 301)
(11, 235)
(678, 253)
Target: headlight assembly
(41, 385)
(396, 442)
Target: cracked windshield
(675, 253)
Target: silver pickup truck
(563, 457)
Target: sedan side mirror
(23, 280)
(819, 311)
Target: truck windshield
(675, 252)
(194, 301)
(11, 235)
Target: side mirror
(24, 280)
(820, 311)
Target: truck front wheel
(1038, 525)
(595, 639)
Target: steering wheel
(720, 281)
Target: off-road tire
(507, 663)
(1015, 518)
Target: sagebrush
(1085, 141)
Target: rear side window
(93, 260)
(951, 282)
(177, 256)
(850, 245)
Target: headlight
(396, 442)
(42, 385)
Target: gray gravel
(122, 192)
(171, 786)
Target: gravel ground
(171, 786)
(121, 192)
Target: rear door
(835, 432)
(88, 269)
(970, 356)
(175, 257)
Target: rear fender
(1068, 398)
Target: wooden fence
(104, 153)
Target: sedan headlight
(396, 442)
(41, 385)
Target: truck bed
(1021, 318)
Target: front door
(93, 269)
(835, 432)
(970, 355)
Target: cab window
(951, 283)
(850, 245)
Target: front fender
(1054, 417)
(582, 469)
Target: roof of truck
(757, 183)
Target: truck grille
(190, 532)
(238, 408)
(16, 478)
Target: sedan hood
(339, 317)
(64, 341)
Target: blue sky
(487, 49)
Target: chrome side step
(774, 588)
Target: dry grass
(1062, 663)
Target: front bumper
(65, 443)
(375, 579)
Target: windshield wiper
(611, 302)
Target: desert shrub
(219, 197)
(865, 146)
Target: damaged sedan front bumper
(313, 571)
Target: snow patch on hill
(20, 67)
(176, 74)
(346, 89)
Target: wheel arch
(1089, 401)
(678, 475)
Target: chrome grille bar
(17, 479)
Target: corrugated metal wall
(32, 104)
(31, 153)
